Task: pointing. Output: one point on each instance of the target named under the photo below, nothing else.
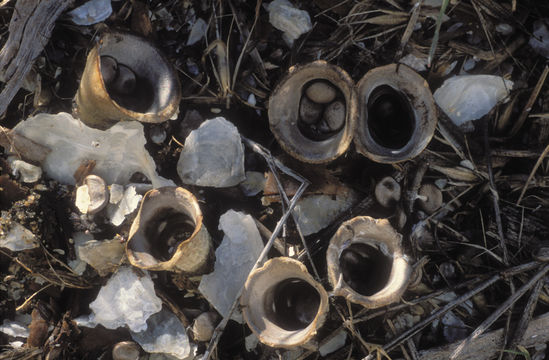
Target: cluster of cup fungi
(315, 112)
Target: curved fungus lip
(396, 114)
(168, 234)
(312, 112)
(282, 303)
(366, 264)
(126, 78)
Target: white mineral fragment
(91, 12)
(540, 37)
(293, 22)
(315, 212)
(126, 299)
(234, 258)
(164, 334)
(335, 343)
(16, 237)
(130, 201)
(469, 97)
(102, 255)
(118, 152)
(213, 155)
(28, 173)
(253, 184)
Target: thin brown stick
(533, 172)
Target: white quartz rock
(165, 334)
(540, 37)
(18, 327)
(213, 155)
(118, 152)
(130, 201)
(16, 237)
(293, 22)
(315, 212)
(126, 299)
(103, 255)
(234, 258)
(91, 12)
(28, 173)
(469, 97)
(335, 343)
(254, 183)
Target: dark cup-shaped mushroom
(126, 78)
(312, 112)
(283, 305)
(366, 264)
(168, 234)
(396, 114)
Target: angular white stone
(29, 173)
(91, 12)
(253, 184)
(17, 328)
(198, 31)
(540, 39)
(213, 155)
(334, 343)
(129, 202)
(315, 212)
(116, 193)
(103, 255)
(293, 22)
(234, 258)
(469, 97)
(165, 334)
(17, 238)
(126, 299)
(118, 152)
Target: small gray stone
(321, 92)
(309, 111)
(334, 115)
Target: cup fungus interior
(319, 131)
(166, 230)
(156, 83)
(292, 304)
(163, 228)
(365, 268)
(391, 119)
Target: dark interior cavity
(294, 304)
(139, 99)
(166, 230)
(315, 132)
(390, 117)
(365, 268)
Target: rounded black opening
(135, 95)
(320, 129)
(390, 117)
(294, 304)
(165, 230)
(365, 268)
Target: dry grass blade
(528, 107)
(437, 32)
(499, 311)
(533, 172)
(409, 28)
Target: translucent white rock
(78, 266)
(198, 31)
(118, 152)
(293, 22)
(130, 201)
(17, 328)
(28, 173)
(253, 184)
(234, 258)
(416, 63)
(469, 97)
(540, 37)
(103, 255)
(116, 193)
(213, 155)
(164, 334)
(204, 326)
(250, 342)
(16, 237)
(315, 212)
(126, 299)
(335, 343)
(91, 12)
